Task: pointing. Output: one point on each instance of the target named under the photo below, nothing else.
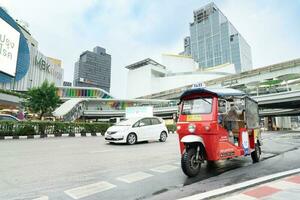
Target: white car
(6, 117)
(136, 130)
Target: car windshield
(127, 122)
(197, 106)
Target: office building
(67, 83)
(93, 69)
(214, 41)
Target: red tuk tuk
(216, 124)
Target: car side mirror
(142, 124)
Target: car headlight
(192, 128)
(111, 132)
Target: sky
(132, 30)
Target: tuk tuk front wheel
(255, 155)
(189, 164)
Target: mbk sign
(42, 64)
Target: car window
(7, 118)
(136, 124)
(155, 121)
(146, 121)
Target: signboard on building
(9, 46)
(47, 65)
(198, 85)
(140, 111)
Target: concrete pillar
(269, 123)
(284, 123)
(266, 123)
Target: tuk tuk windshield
(197, 106)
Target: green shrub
(171, 127)
(25, 129)
(9, 128)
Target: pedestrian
(231, 120)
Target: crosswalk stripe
(130, 178)
(41, 198)
(87, 190)
(164, 168)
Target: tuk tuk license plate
(193, 118)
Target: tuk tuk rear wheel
(255, 155)
(190, 166)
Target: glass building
(215, 41)
(93, 69)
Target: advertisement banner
(9, 47)
(141, 111)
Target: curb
(240, 186)
(56, 135)
(50, 136)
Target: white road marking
(77, 135)
(36, 136)
(177, 163)
(41, 198)
(164, 168)
(103, 151)
(50, 135)
(22, 137)
(65, 135)
(87, 190)
(130, 178)
(8, 137)
(88, 134)
(282, 185)
(239, 186)
(98, 134)
(239, 197)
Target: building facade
(215, 41)
(39, 68)
(93, 69)
(148, 76)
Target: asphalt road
(88, 168)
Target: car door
(144, 129)
(155, 129)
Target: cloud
(132, 30)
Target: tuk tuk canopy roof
(220, 92)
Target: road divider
(50, 136)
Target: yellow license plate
(193, 118)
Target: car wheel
(163, 136)
(131, 138)
(255, 155)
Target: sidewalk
(285, 188)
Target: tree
(42, 100)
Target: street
(88, 168)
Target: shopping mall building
(22, 65)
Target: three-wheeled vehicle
(216, 124)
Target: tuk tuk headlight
(192, 128)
